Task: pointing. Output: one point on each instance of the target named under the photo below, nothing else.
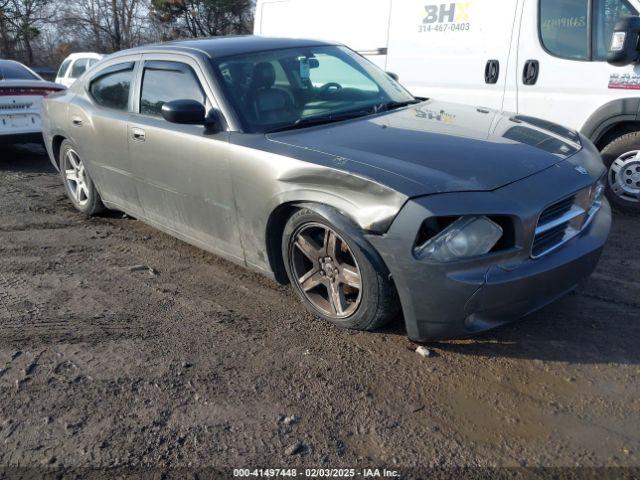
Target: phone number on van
(445, 27)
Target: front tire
(77, 182)
(333, 275)
(622, 158)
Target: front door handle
(531, 72)
(138, 134)
(492, 72)
(76, 121)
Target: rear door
(98, 126)
(454, 51)
(562, 72)
(182, 172)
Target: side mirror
(394, 76)
(184, 111)
(624, 48)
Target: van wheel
(333, 276)
(77, 182)
(622, 158)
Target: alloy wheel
(76, 178)
(325, 270)
(624, 176)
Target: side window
(166, 81)
(111, 87)
(79, 67)
(63, 68)
(564, 28)
(606, 14)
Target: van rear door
(362, 25)
(454, 51)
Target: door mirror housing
(189, 112)
(625, 42)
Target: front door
(182, 172)
(562, 71)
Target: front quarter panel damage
(265, 181)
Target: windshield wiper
(322, 120)
(385, 107)
(337, 117)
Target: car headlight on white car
(466, 237)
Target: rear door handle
(531, 72)
(76, 121)
(492, 72)
(138, 134)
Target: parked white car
(21, 93)
(543, 58)
(75, 65)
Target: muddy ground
(199, 364)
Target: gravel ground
(201, 363)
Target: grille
(563, 220)
(557, 210)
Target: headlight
(464, 238)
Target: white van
(75, 65)
(544, 58)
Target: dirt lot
(199, 364)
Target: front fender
(264, 182)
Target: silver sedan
(303, 161)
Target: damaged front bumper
(462, 298)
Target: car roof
(73, 56)
(232, 45)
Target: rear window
(15, 71)
(110, 88)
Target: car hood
(436, 147)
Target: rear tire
(333, 276)
(622, 158)
(77, 182)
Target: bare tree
(106, 25)
(21, 22)
(46, 31)
(198, 18)
(5, 35)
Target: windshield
(282, 89)
(63, 68)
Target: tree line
(43, 32)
